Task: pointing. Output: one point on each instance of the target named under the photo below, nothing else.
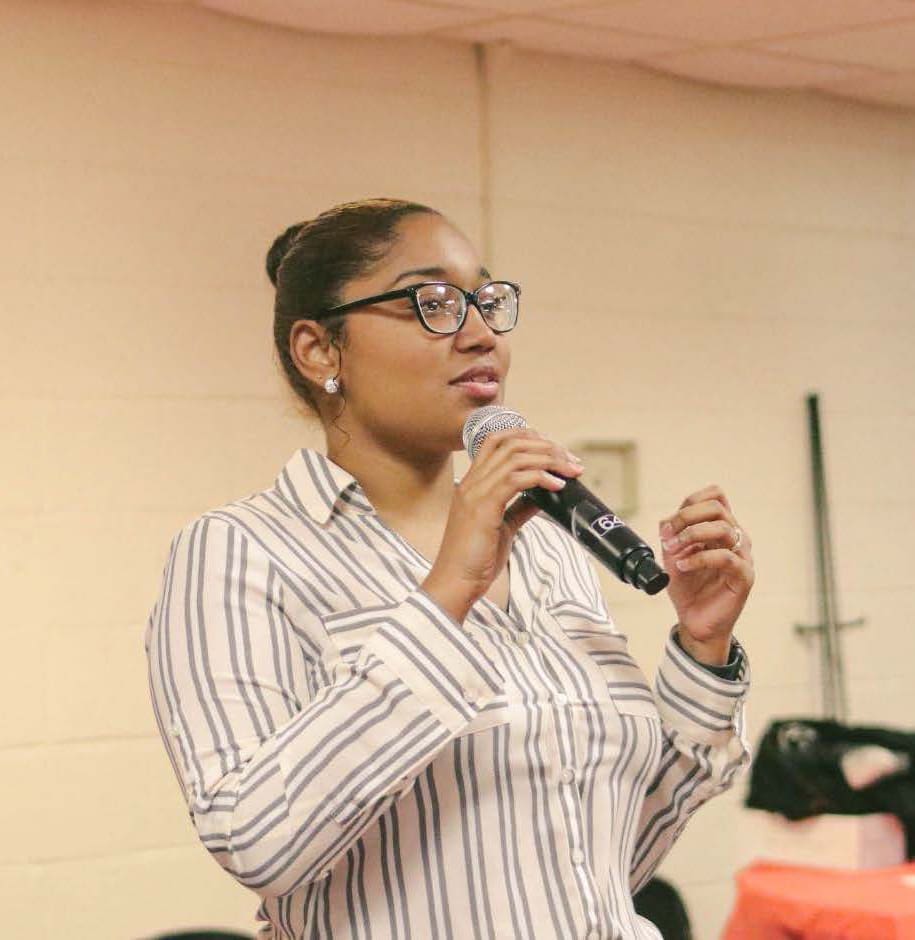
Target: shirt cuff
(730, 670)
(437, 658)
(702, 705)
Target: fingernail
(670, 544)
(577, 460)
(682, 563)
(667, 530)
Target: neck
(400, 484)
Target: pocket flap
(608, 651)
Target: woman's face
(396, 375)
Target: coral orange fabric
(793, 902)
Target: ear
(311, 351)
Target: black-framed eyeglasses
(442, 307)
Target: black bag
(797, 772)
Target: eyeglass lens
(442, 306)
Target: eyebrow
(427, 272)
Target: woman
(395, 701)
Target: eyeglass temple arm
(366, 301)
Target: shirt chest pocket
(599, 652)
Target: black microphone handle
(602, 533)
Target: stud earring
(331, 386)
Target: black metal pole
(834, 701)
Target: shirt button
(325, 873)
(578, 857)
(174, 730)
(567, 775)
(560, 699)
(522, 637)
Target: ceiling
(861, 49)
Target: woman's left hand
(708, 556)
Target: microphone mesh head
(483, 421)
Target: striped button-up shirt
(375, 770)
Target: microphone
(596, 527)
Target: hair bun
(281, 245)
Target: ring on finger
(738, 538)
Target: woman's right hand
(481, 525)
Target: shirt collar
(314, 484)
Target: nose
(475, 329)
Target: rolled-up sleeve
(280, 783)
(705, 747)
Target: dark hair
(311, 262)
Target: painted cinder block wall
(694, 260)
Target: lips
(479, 374)
(480, 383)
